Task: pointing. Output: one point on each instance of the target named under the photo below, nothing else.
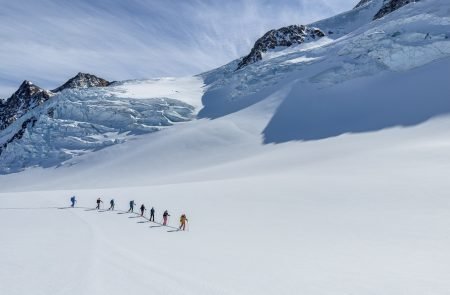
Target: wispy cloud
(48, 41)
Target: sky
(49, 41)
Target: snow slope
(363, 213)
(329, 209)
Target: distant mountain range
(41, 127)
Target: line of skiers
(183, 218)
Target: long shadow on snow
(363, 104)
(218, 102)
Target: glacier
(77, 121)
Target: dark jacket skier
(131, 206)
(98, 203)
(142, 209)
(73, 200)
(152, 214)
(112, 204)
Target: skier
(98, 203)
(142, 209)
(165, 216)
(112, 205)
(152, 214)
(73, 200)
(183, 220)
(132, 203)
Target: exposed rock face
(285, 36)
(19, 134)
(27, 97)
(83, 80)
(390, 6)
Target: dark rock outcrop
(27, 97)
(19, 133)
(361, 3)
(390, 6)
(83, 80)
(285, 36)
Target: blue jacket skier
(152, 214)
(73, 200)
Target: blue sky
(48, 41)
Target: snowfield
(363, 213)
(320, 170)
(186, 89)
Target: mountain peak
(26, 97)
(285, 36)
(83, 80)
(27, 90)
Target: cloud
(48, 41)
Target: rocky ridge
(27, 97)
(83, 80)
(284, 37)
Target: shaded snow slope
(361, 105)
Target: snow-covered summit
(334, 27)
(83, 80)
